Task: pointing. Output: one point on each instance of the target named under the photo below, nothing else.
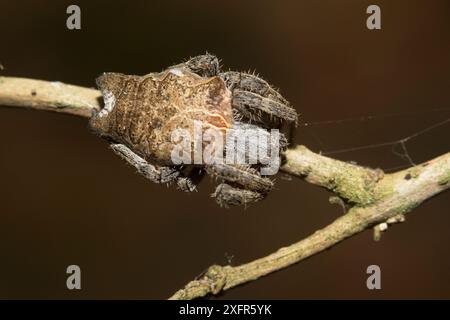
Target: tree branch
(396, 194)
(351, 182)
(375, 199)
(51, 96)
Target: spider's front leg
(240, 184)
(151, 172)
(257, 101)
(205, 65)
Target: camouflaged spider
(141, 112)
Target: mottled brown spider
(140, 114)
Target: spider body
(142, 112)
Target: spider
(140, 113)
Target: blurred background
(66, 199)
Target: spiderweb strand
(396, 144)
(373, 117)
(368, 118)
(400, 142)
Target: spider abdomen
(143, 112)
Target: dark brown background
(66, 199)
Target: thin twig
(51, 96)
(375, 199)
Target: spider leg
(257, 101)
(241, 175)
(156, 174)
(241, 184)
(259, 109)
(206, 65)
(227, 195)
(252, 83)
(190, 178)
